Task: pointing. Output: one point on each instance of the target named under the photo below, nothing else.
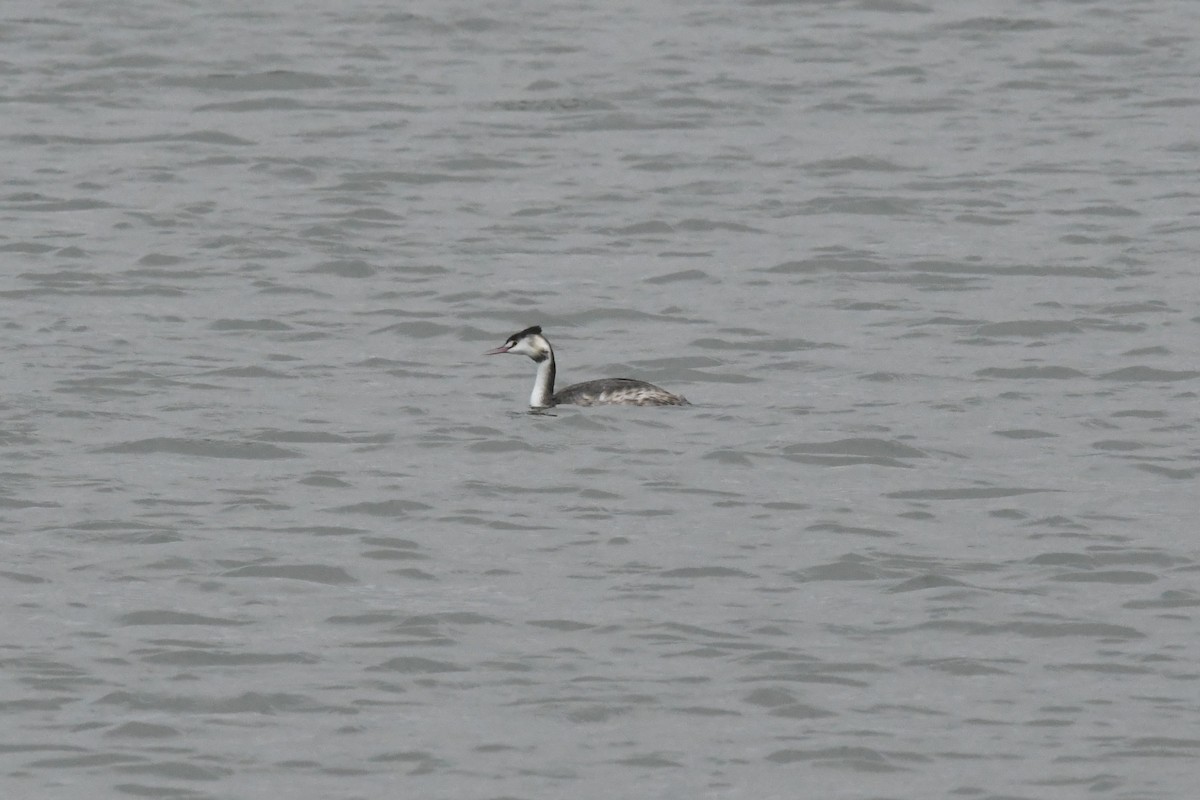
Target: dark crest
(516, 337)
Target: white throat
(543, 384)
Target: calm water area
(273, 526)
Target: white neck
(543, 384)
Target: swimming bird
(605, 391)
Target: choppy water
(273, 527)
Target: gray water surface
(273, 527)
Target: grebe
(606, 391)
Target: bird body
(605, 391)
